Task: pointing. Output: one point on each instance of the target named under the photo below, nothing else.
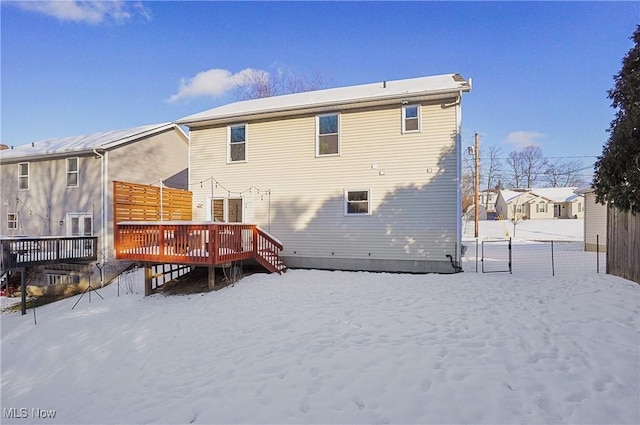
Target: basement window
(357, 202)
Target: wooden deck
(198, 244)
(36, 251)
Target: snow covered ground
(530, 230)
(335, 347)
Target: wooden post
(211, 277)
(148, 273)
(23, 288)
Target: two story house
(63, 187)
(364, 177)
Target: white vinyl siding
(23, 176)
(72, 172)
(412, 188)
(595, 223)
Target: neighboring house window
(410, 118)
(72, 172)
(519, 208)
(237, 143)
(79, 224)
(357, 202)
(12, 221)
(23, 176)
(542, 207)
(328, 137)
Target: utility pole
(476, 184)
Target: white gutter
(103, 218)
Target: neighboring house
(354, 178)
(540, 203)
(595, 220)
(487, 201)
(63, 187)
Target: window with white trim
(237, 146)
(79, 224)
(72, 172)
(328, 134)
(12, 221)
(542, 207)
(357, 202)
(23, 176)
(411, 118)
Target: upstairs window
(357, 202)
(12, 221)
(411, 118)
(237, 151)
(72, 172)
(328, 135)
(23, 176)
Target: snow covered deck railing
(34, 251)
(196, 243)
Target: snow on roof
(584, 188)
(556, 194)
(412, 87)
(509, 195)
(86, 143)
(553, 194)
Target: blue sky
(540, 70)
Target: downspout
(458, 253)
(103, 218)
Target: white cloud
(90, 12)
(214, 83)
(522, 139)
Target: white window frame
(418, 118)
(23, 176)
(346, 202)
(12, 221)
(246, 143)
(541, 207)
(318, 117)
(225, 207)
(81, 224)
(72, 172)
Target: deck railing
(34, 251)
(192, 243)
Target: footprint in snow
(358, 402)
(425, 385)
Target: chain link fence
(535, 258)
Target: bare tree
(563, 173)
(263, 84)
(492, 166)
(534, 164)
(516, 168)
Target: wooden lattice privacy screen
(140, 202)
